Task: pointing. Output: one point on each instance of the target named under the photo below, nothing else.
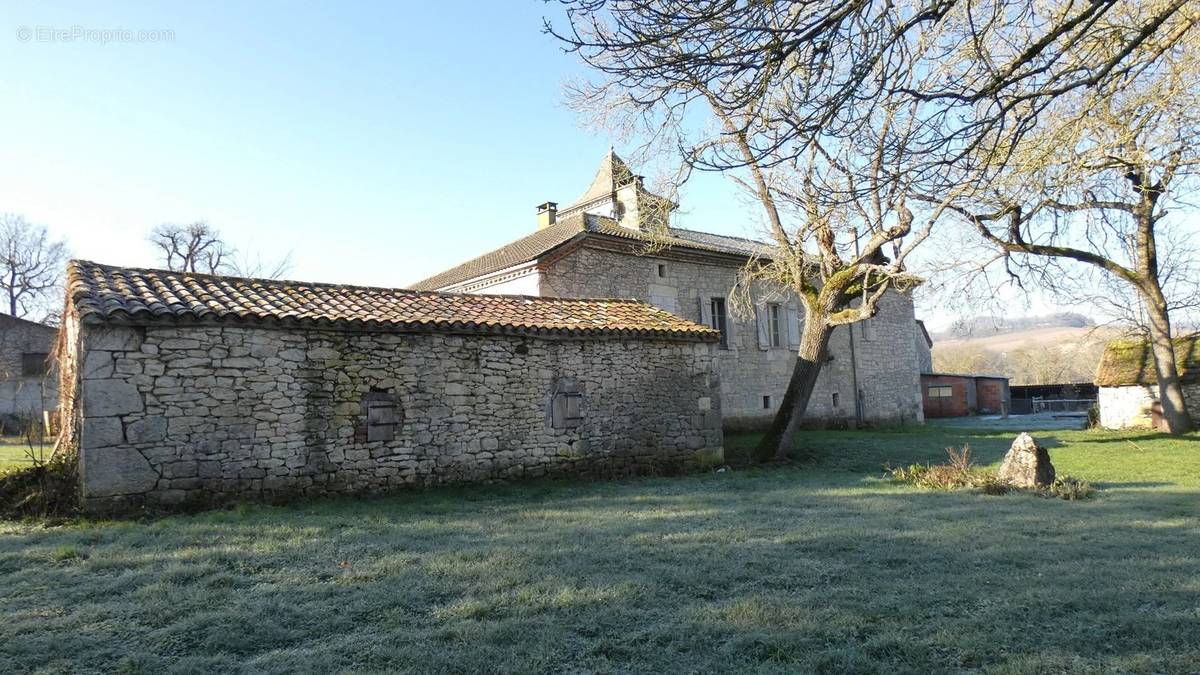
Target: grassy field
(14, 453)
(815, 567)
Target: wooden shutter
(793, 326)
(730, 323)
(381, 414)
(566, 409)
(762, 318)
(706, 311)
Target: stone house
(1129, 386)
(601, 246)
(196, 389)
(28, 380)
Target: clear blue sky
(380, 143)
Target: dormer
(618, 193)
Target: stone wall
(1130, 407)
(1126, 407)
(24, 396)
(200, 415)
(753, 380)
(924, 351)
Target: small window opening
(379, 407)
(566, 411)
(941, 391)
(34, 364)
(662, 270)
(766, 403)
(835, 399)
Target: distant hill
(984, 326)
(1050, 349)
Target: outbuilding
(1129, 386)
(28, 380)
(195, 389)
(954, 395)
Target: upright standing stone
(1027, 464)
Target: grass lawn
(819, 566)
(14, 453)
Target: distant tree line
(1033, 362)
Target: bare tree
(199, 248)
(196, 247)
(31, 265)
(834, 116)
(255, 266)
(1092, 185)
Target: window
(379, 409)
(566, 406)
(766, 403)
(718, 320)
(662, 270)
(941, 391)
(835, 399)
(34, 364)
(774, 325)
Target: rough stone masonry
(170, 415)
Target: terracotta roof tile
(103, 294)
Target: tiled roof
(539, 243)
(1131, 362)
(523, 250)
(103, 294)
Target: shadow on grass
(777, 569)
(1142, 437)
(1109, 485)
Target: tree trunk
(12, 292)
(1170, 391)
(781, 436)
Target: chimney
(547, 215)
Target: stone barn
(188, 389)
(1129, 387)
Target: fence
(1040, 404)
